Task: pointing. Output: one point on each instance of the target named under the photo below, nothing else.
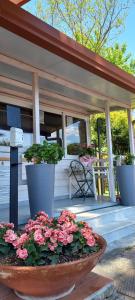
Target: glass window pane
(51, 127)
(75, 134)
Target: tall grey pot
(126, 181)
(40, 181)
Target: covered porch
(58, 84)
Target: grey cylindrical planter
(40, 181)
(126, 181)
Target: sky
(128, 33)
(127, 36)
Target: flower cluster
(49, 240)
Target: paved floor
(77, 206)
(119, 264)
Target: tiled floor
(77, 206)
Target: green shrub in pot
(49, 153)
(41, 175)
(126, 180)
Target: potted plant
(41, 175)
(49, 257)
(87, 155)
(126, 180)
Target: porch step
(113, 223)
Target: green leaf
(54, 259)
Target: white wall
(61, 178)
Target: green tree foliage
(93, 23)
(120, 137)
(119, 56)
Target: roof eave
(19, 2)
(22, 23)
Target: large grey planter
(40, 180)
(126, 181)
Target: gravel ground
(119, 264)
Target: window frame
(63, 113)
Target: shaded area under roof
(71, 76)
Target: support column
(131, 133)
(88, 131)
(36, 116)
(110, 153)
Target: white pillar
(64, 134)
(88, 131)
(110, 153)
(131, 133)
(36, 116)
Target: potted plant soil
(126, 180)
(49, 257)
(41, 175)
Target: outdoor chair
(82, 180)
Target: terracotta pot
(52, 280)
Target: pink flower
(21, 240)
(70, 238)
(70, 227)
(15, 243)
(42, 213)
(48, 233)
(22, 253)
(52, 246)
(42, 219)
(10, 236)
(61, 236)
(86, 232)
(10, 225)
(38, 237)
(66, 216)
(91, 241)
(53, 239)
(65, 238)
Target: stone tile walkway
(119, 264)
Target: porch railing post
(131, 134)
(36, 115)
(110, 153)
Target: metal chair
(83, 178)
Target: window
(75, 134)
(51, 127)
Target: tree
(119, 56)
(120, 136)
(93, 23)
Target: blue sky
(126, 36)
(128, 33)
